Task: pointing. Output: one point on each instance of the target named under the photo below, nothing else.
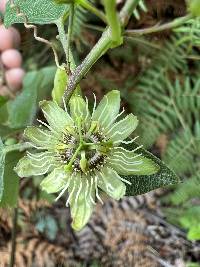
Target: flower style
(83, 153)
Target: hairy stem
(157, 28)
(98, 50)
(102, 46)
(63, 40)
(14, 232)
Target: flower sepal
(151, 179)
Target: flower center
(85, 154)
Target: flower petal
(40, 138)
(122, 129)
(55, 181)
(58, 119)
(81, 201)
(110, 182)
(38, 165)
(107, 109)
(79, 109)
(126, 162)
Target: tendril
(35, 32)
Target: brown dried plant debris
(116, 235)
(160, 11)
(32, 248)
(34, 251)
(127, 240)
(29, 207)
(162, 143)
(128, 233)
(125, 233)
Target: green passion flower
(82, 153)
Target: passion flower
(82, 153)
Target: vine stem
(104, 43)
(63, 40)
(13, 241)
(77, 75)
(35, 30)
(157, 28)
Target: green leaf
(194, 232)
(192, 264)
(63, 1)
(190, 220)
(23, 109)
(144, 183)
(37, 11)
(3, 100)
(5, 131)
(10, 180)
(2, 165)
(36, 86)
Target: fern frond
(168, 106)
(190, 31)
(186, 100)
(142, 7)
(170, 58)
(158, 102)
(180, 153)
(155, 111)
(188, 190)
